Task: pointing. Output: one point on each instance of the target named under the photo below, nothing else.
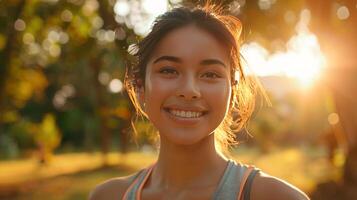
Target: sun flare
(302, 60)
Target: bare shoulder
(112, 189)
(266, 187)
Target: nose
(188, 88)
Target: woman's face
(187, 85)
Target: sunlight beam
(302, 60)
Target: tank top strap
(248, 184)
(134, 190)
(245, 173)
(232, 184)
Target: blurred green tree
(47, 137)
(67, 58)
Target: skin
(195, 75)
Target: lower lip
(184, 121)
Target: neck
(186, 166)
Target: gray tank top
(234, 184)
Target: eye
(211, 75)
(168, 71)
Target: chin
(185, 139)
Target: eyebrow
(168, 58)
(211, 61)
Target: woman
(188, 82)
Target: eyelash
(212, 75)
(169, 71)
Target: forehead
(191, 43)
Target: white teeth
(186, 114)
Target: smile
(185, 114)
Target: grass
(301, 167)
(72, 176)
(75, 186)
(67, 176)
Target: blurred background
(65, 118)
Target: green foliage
(21, 133)
(8, 147)
(47, 134)
(53, 66)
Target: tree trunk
(105, 133)
(107, 14)
(6, 53)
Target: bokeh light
(104, 78)
(343, 13)
(139, 15)
(122, 8)
(333, 118)
(265, 4)
(66, 15)
(20, 25)
(115, 86)
(28, 38)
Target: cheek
(218, 95)
(156, 91)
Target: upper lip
(186, 108)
